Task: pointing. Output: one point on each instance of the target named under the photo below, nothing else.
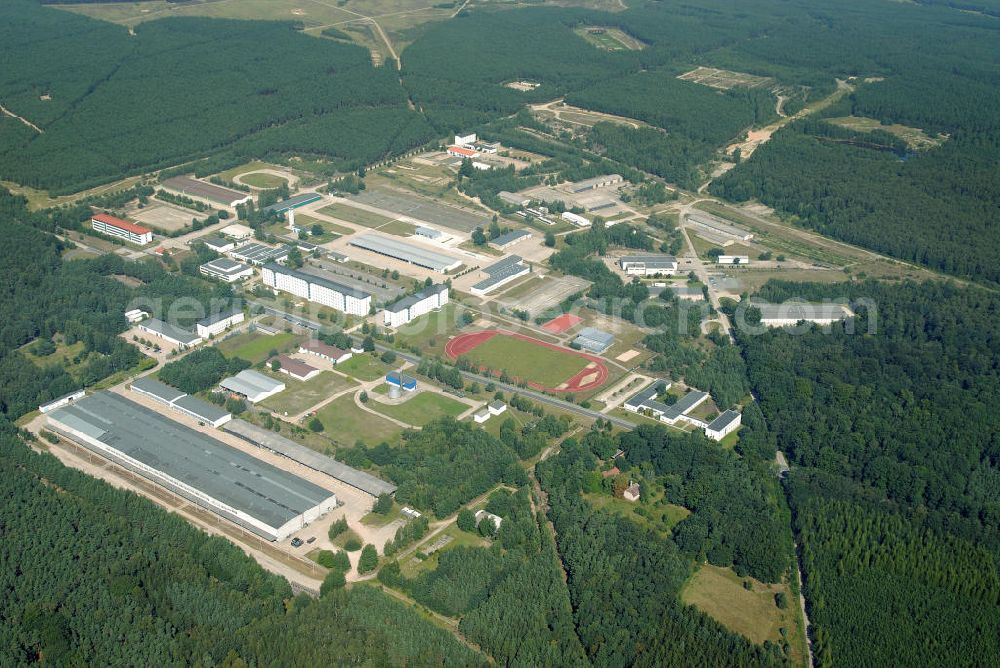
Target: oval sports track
(591, 377)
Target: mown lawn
(364, 367)
(421, 408)
(257, 347)
(299, 396)
(345, 423)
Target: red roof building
(610, 472)
(296, 368)
(462, 152)
(121, 229)
(325, 351)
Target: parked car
(312, 539)
(296, 542)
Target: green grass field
(364, 367)
(345, 423)
(430, 332)
(915, 138)
(262, 180)
(355, 215)
(534, 363)
(299, 396)
(257, 347)
(305, 220)
(412, 566)
(719, 593)
(421, 409)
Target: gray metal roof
(401, 250)
(597, 335)
(429, 232)
(505, 268)
(640, 398)
(497, 404)
(800, 311)
(169, 331)
(724, 420)
(220, 316)
(510, 237)
(213, 241)
(292, 202)
(408, 301)
(321, 281)
(314, 460)
(685, 403)
(259, 253)
(224, 265)
(200, 409)
(156, 389)
(249, 382)
(649, 260)
(222, 472)
(596, 182)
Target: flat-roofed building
(237, 232)
(791, 313)
(64, 400)
(317, 289)
(508, 239)
(415, 305)
(728, 422)
(594, 340)
(219, 322)
(685, 292)
(156, 390)
(465, 140)
(603, 181)
(267, 439)
(169, 333)
(191, 187)
(233, 484)
(648, 265)
(297, 369)
(500, 273)
(703, 222)
(293, 202)
(180, 401)
(260, 254)
(576, 219)
(482, 415)
(121, 229)
(645, 402)
(325, 351)
(734, 260)
(407, 252)
(253, 385)
(136, 315)
(216, 243)
(224, 269)
(401, 380)
(429, 233)
(496, 407)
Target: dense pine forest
(892, 433)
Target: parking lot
(165, 217)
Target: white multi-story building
(465, 140)
(224, 269)
(648, 265)
(219, 322)
(728, 422)
(121, 229)
(317, 289)
(414, 306)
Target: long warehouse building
(262, 498)
(407, 252)
(317, 289)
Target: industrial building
(293, 202)
(259, 254)
(59, 402)
(169, 333)
(791, 313)
(500, 273)
(185, 185)
(703, 222)
(415, 305)
(237, 232)
(297, 369)
(317, 289)
(728, 422)
(648, 265)
(513, 198)
(217, 243)
(428, 232)
(217, 323)
(251, 493)
(594, 340)
(267, 439)
(603, 181)
(509, 239)
(253, 385)
(181, 401)
(576, 219)
(121, 229)
(325, 351)
(407, 252)
(227, 270)
(401, 380)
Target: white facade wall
(285, 283)
(355, 306)
(325, 296)
(396, 318)
(127, 235)
(718, 435)
(221, 326)
(463, 140)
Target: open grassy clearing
(133, 13)
(257, 347)
(702, 246)
(523, 288)
(331, 229)
(752, 280)
(70, 357)
(915, 138)
(412, 566)
(528, 361)
(660, 517)
(262, 180)
(430, 332)
(301, 395)
(365, 367)
(420, 409)
(355, 215)
(40, 199)
(345, 423)
(723, 79)
(378, 520)
(609, 39)
(719, 593)
(253, 166)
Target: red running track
(464, 343)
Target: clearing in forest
(915, 138)
(724, 79)
(609, 39)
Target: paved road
(468, 375)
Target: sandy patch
(628, 355)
